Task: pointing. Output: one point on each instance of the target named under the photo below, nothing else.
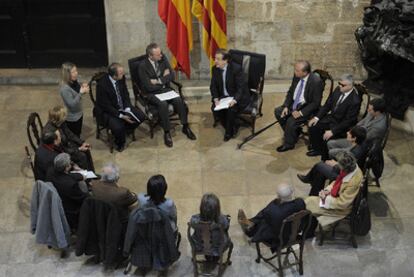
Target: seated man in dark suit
(302, 101)
(228, 81)
(156, 74)
(335, 118)
(67, 185)
(46, 153)
(265, 226)
(108, 190)
(113, 104)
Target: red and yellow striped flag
(212, 14)
(176, 14)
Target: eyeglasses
(342, 85)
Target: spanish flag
(212, 14)
(176, 14)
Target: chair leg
(253, 125)
(279, 261)
(259, 255)
(321, 235)
(301, 258)
(98, 132)
(128, 268)
(228, 262)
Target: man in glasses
(335, 118)
(301, 103)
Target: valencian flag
(176, 14)
(212, 14)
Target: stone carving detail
(386, 41)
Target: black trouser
(319, 173)
(228, 118)
(290, 126)
(316, 133)
(75, 126)
(163, 113)
(119, 126)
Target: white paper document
(128, 112)
(321, 203)
(86, 173)
(167, 95)
(224, 103)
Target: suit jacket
(146, 72)
(269, 220)
(312, 94)
(236, 84)
(47, 217)
(68, 188)
(344, 116)
(106, 100)
(376, 127)
(150, 239)
(100, 231)
(110, 192)
(44, 158)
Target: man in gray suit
(375, 124)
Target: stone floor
(241, 178)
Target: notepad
(223, 104)
(167, 95)
(87, 174)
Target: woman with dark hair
(210, 213)
(329, 169)
(156, 190)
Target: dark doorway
(46, 33)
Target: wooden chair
(205, 231)
(29, 161)
(141, 97)
(348, 220)
(293, 232)
(34, 130)
(100, 125)
(253, 66)
(365, 98)
(325, 77)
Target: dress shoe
(187, 131)
(313, 153)
(284, 148)
(168, 140)
(120, 148)
(303, 178)
(245, 223)
(227, 137)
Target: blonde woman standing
(71, 92)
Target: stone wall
(321, 31)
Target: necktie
(224, 83)
(118, 96)
(339, 101)
(298, 95)
(337, 185)
(157, 69)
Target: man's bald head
(285, 192)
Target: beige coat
(339, 207)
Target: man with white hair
(107, 189)
(335, 118)
(265, 226)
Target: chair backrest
(30, 161)
(34, 130)
(293, 226)
(133, 65)
(387, 132)
(364, 98)
(92, 85)
(204, 229)
(253, 66)
(325, 77)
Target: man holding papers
(114, 106)
(229, 92)
(156, 74)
